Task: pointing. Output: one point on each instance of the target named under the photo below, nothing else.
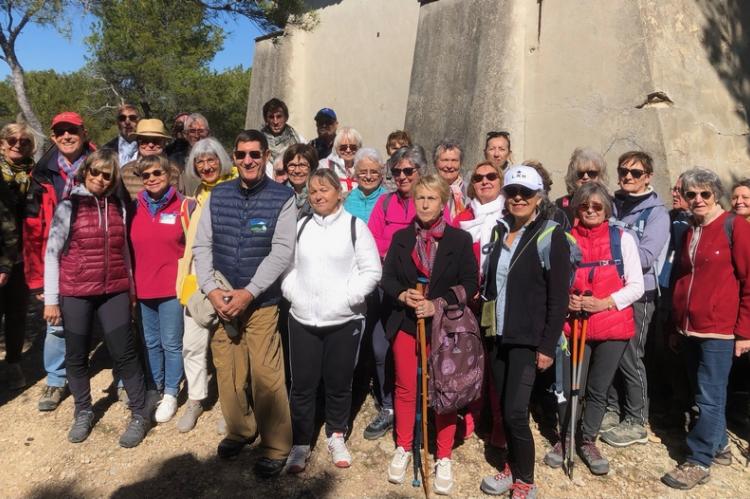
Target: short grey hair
(583, 156)
(207, 147)
(447, 145)
(193, 117)
(702, 177)
(346, 132)
(589, 189)
(414, 154)
(368, 153)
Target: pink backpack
(456, 363)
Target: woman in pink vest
(614, 279)
(87, 272)
(158, 242)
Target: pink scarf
(425, 248)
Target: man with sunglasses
(52, 180)
(326, 123)
(247, 234)
(125, 143)
(641, 211)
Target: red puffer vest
(94, 261)
(602, 281)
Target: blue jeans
(162, 337)
(710, 361)
(54, 356)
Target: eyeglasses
(206, 162)
(348, 147)
(95, 172)
(60, 131)
(597, 207)
(368, 173)
(589, 173)
(492, 176)
(512, 191)
(147, 175)
(200, 132)
(408, 172)
(240, 155)
(12, 141)
(636, 174)
(297, 166)
(690, 195)
(125, 117)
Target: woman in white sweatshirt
(336, 265)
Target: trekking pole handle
(585, 315)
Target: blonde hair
(104, 160)
(21, 128)
(470, 191)
(434, 182)
(146, 162)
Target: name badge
(258, 226)
(168, 218)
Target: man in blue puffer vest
(247, 234)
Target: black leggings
(330, 354)
(514, 369)
(113, 312)
(14, 302)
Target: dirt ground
(38, 461)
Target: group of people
(292, 262)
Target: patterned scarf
(69, 170)
(17, 176)
(154, 205)
(425, 249)
(278, 143)
(458, 197)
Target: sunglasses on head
(125, 117)
(512, 191)
(147, 175)
(690, 195)
(589, 173)
(635, 173)
(348, 147)
(240, 155)
(12, 141)
(597, 207)
(95, 172)
(408, 172)
(477, 177)
(60, 131)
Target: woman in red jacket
(87, 272)
(711, 310)
(615, 280)
(158, 241)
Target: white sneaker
(297, 460)
(221, 426)
(443, 476)
(399, 464)
(339, 452)
(166, 409)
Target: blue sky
(44, 48)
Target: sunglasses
(72, 130)
(348, 147)
(512, 191)
(590, 174)
(127, 117)
(95, 172)
(636, 174)
(145, 140)
(492, 176)
(12, 141)
(408, 172)
(240, 155)
(156, 174)
(597, 207)
(279, 173)
(690, 195)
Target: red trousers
(405, 360)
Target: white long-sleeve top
(633, 273)
(329, 279)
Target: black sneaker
(266, 467)
(81, 428)
(135, 432)
(229, 448)
(380, 425)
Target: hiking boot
(399, 463)
(686, 476)
(297, 460)
(626, 433)
(724, 456)
(380, 425)
(610, 421)
(229, 448)
(16, 379)
(82, 424)
(554, 457)
(166, 409)
(498, 484)
(265, 467)
(193, 410)
(339, 453)
(51, 397)
(443, 483)
(522, 490)
(135, 432)
(598, 464)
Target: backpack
(543, 246)
(353, 228)
(456, 362)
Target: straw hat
(151, 128)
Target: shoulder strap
(73, 214)
(302, 227)
(544, 242)
(353, 227)
(187, 207)
(729, 229)
(615, 241)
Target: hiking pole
(573, 398)
(422, 390)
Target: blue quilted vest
(243, 222)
